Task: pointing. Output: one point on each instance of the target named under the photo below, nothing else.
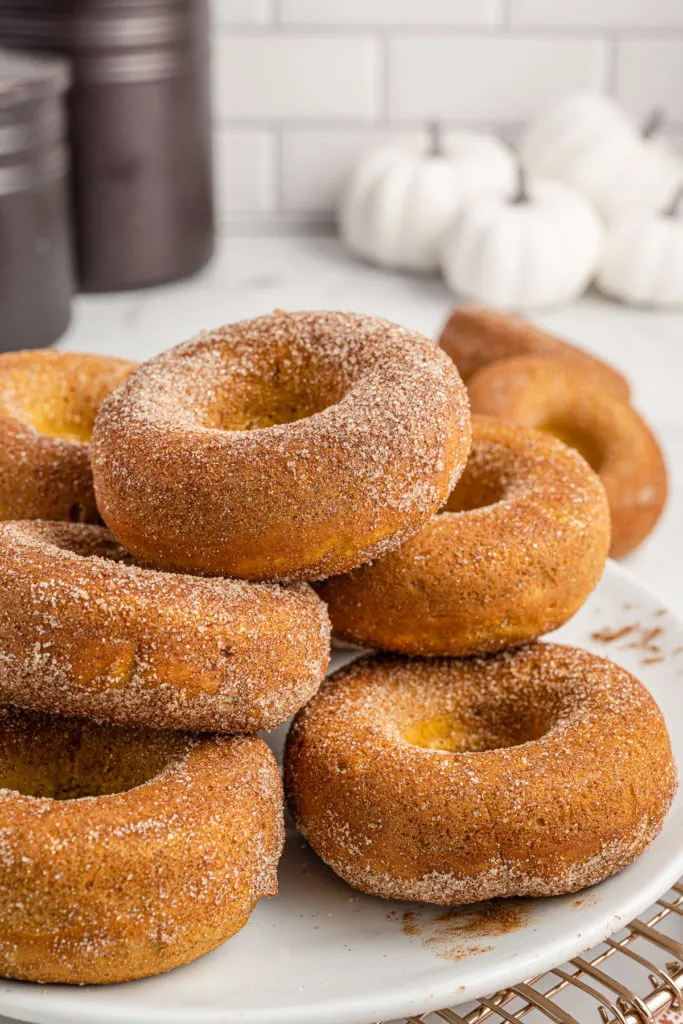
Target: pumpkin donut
(84, 633)
(292, 446)
(48, 402)
(561, 400)
(513, 554)
(128, 852)
(475, 337)
(456, 780)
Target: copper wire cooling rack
(630, 978)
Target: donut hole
(485, 481)
(67, 759)
(66, 428)
(583, 440)
(263, 413)
(58, 394)
(78, 513)
(60, 410)
(472, 492)
(92, 542)
(283, 394)
(56, 408)
(474, 729)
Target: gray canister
(140, 131)
(36, 271)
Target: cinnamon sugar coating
(474, 337)
(125, 853)
(292, 446)
(517, 549)
(453, 781)
(84, 633)
(563, 400)
(48, 402)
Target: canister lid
(28, 76)
(100, 25)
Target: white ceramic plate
(321, 952)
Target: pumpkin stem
(435, 146)
(522, 194)
(673, 208)
(653, 123)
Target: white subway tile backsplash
(245, 172)
(650, 75)
(241, 12)
(303, 87)
(391, 12)
(301, 77)
(610, 14)
(317, 163)
(501, 78)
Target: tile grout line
(612, 60)
(277, 134)
(385, 78)
(402, 125)
(422, 30)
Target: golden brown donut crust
(453, 781)
(107, 888)
(84, 633)
(615, 439)
(474, 337)
(48, 402)
(520, 545)
(292, 446)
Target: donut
(514, 553)
(534, 772)
(48, 402)
(82, 632)
(292, 446)
(561, 400)
(127, 852)
(475, 337)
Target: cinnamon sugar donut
(475, 337)
(48, 402)
(564, 401)
(84, 633)
(453, 781)
(292, 446)
(126, 852)
(513, 554)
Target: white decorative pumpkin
(588, 142)
(643, 257)
(485, 165)
(652, 174)
(538, 249)
(400, 202)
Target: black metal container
(140, 131)
(36, 272)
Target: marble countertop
(250, 276)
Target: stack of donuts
(179, 541)
(516, 371)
